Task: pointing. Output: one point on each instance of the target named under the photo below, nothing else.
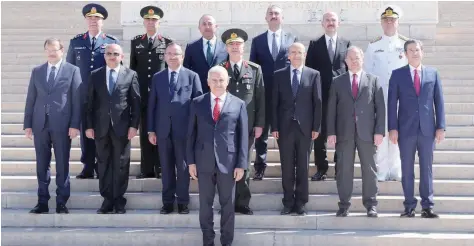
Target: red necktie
(355, 88)
(417, 83)
(216, 112)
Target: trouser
(261, 149)
(242, 187)
(88, 148)
(149, 154)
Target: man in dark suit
(53, 115)
(270, 51)
(356, 120)
(172, 91)
(326, 55)
(246, 82)
(217, 149)
(296, 121)
(86, 50)
(202, 54)
(147, 57)
(113, 116)
(417, 92)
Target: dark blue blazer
(195, 59)
(169, 114)
(224, 143)
(414, 112)
(63, 99)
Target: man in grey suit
(217, 152)
(53, 115)
(356, 119)
(296, 123)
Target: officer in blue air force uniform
(86, 50)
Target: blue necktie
(111, 81)
(51, 77)
(209, 54)
(172, 83)
(295, 82)
(274, 47)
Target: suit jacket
(167, 113)
(414, 112)
(63, 99)
(225, 142)
(195, 59)
(305, 108)
(369, 108)
(122, 108)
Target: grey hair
(274, 6)
(204, 15)
(355, 48)
(217, 69)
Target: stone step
(189, 234)
(453, 41)
(259, 202)
(440, 171)
(273, 155)
(454, 30)
(448, 144)
(267, 185)
(453, 60)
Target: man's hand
(193, 171)
(258, 131)
(314, 135)
(132, 132)
(73, 133)
(393, 135)
(378, 138)
(90, 133)
(152, 138)
(332, 140)
(440, 133)
(29, 133)
(238, 174)
(275, 135)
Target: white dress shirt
(239, 65)
(114, 74)
(277, 37)
(96, 37)
(351, 75)
(300, 71)
(58, 65)
(412, 72)
(221, 102)
(213, 45)
(334, 40)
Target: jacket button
(149, 68)
(149, 53)
(149, 76)
(149, 60)
(92, 66)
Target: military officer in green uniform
(246, 82)
(147, 57)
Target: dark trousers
(175, 173)
(408, 146)
(207, 188)
(295, 149)
(114, 166)
(261, 149)
(345, 175)
(320, 153)
(88, 149)
(149, 154)
(242, 187)
(61, 143)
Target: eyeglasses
(51, 51)
(173, 54)
(116, 54)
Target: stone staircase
(451, 52)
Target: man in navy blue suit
(270, 51)
(217, 152)
(172, 91)
(416, 90)
(202, 54)
(86, 50)
(53, 115)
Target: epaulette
(138, 37)
(80, 35)
(376, 39)
(161, 36)
(402, 37)
(253, 64)
(110, 36)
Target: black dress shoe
(342, 212)
(259, 174)
(167, 209)
(408, 213)
(372, 212)
(40, 208)
(286, 210)
(300, 210)
(243, 210)
(319, 176)
(183, 209)
(428, 213)
(61, 209)
(120, 209)
(145, 176)
(86, 176)
(158, 175)
(106, 208)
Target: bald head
(113, 55)
(330, 23)
(207, 26)
(297, 54)
(217, 80)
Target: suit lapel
(87, 41)
(61, 66)
(99, 41)
(265, 45)
(339, 44)
(228, 98)
(363, 82)
(423, 78)
(43, 73)
(120, 78)
(180, 81)
(208, 105)
(283, 39)
(411, 82)
(219, 45)
(348, 85)
(324, 47)
(304, 80)
(243, 70)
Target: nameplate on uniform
(79, 48)
(378, 51)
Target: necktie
(209, 55)
(355, 88)
(216, 111)
(236, 71)
(295, 82)
(331, 50)
(172, 83)
(51, 76)
(150, 43)
(111, 81)
(93, 43)
(417, 83)
(274, 47)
